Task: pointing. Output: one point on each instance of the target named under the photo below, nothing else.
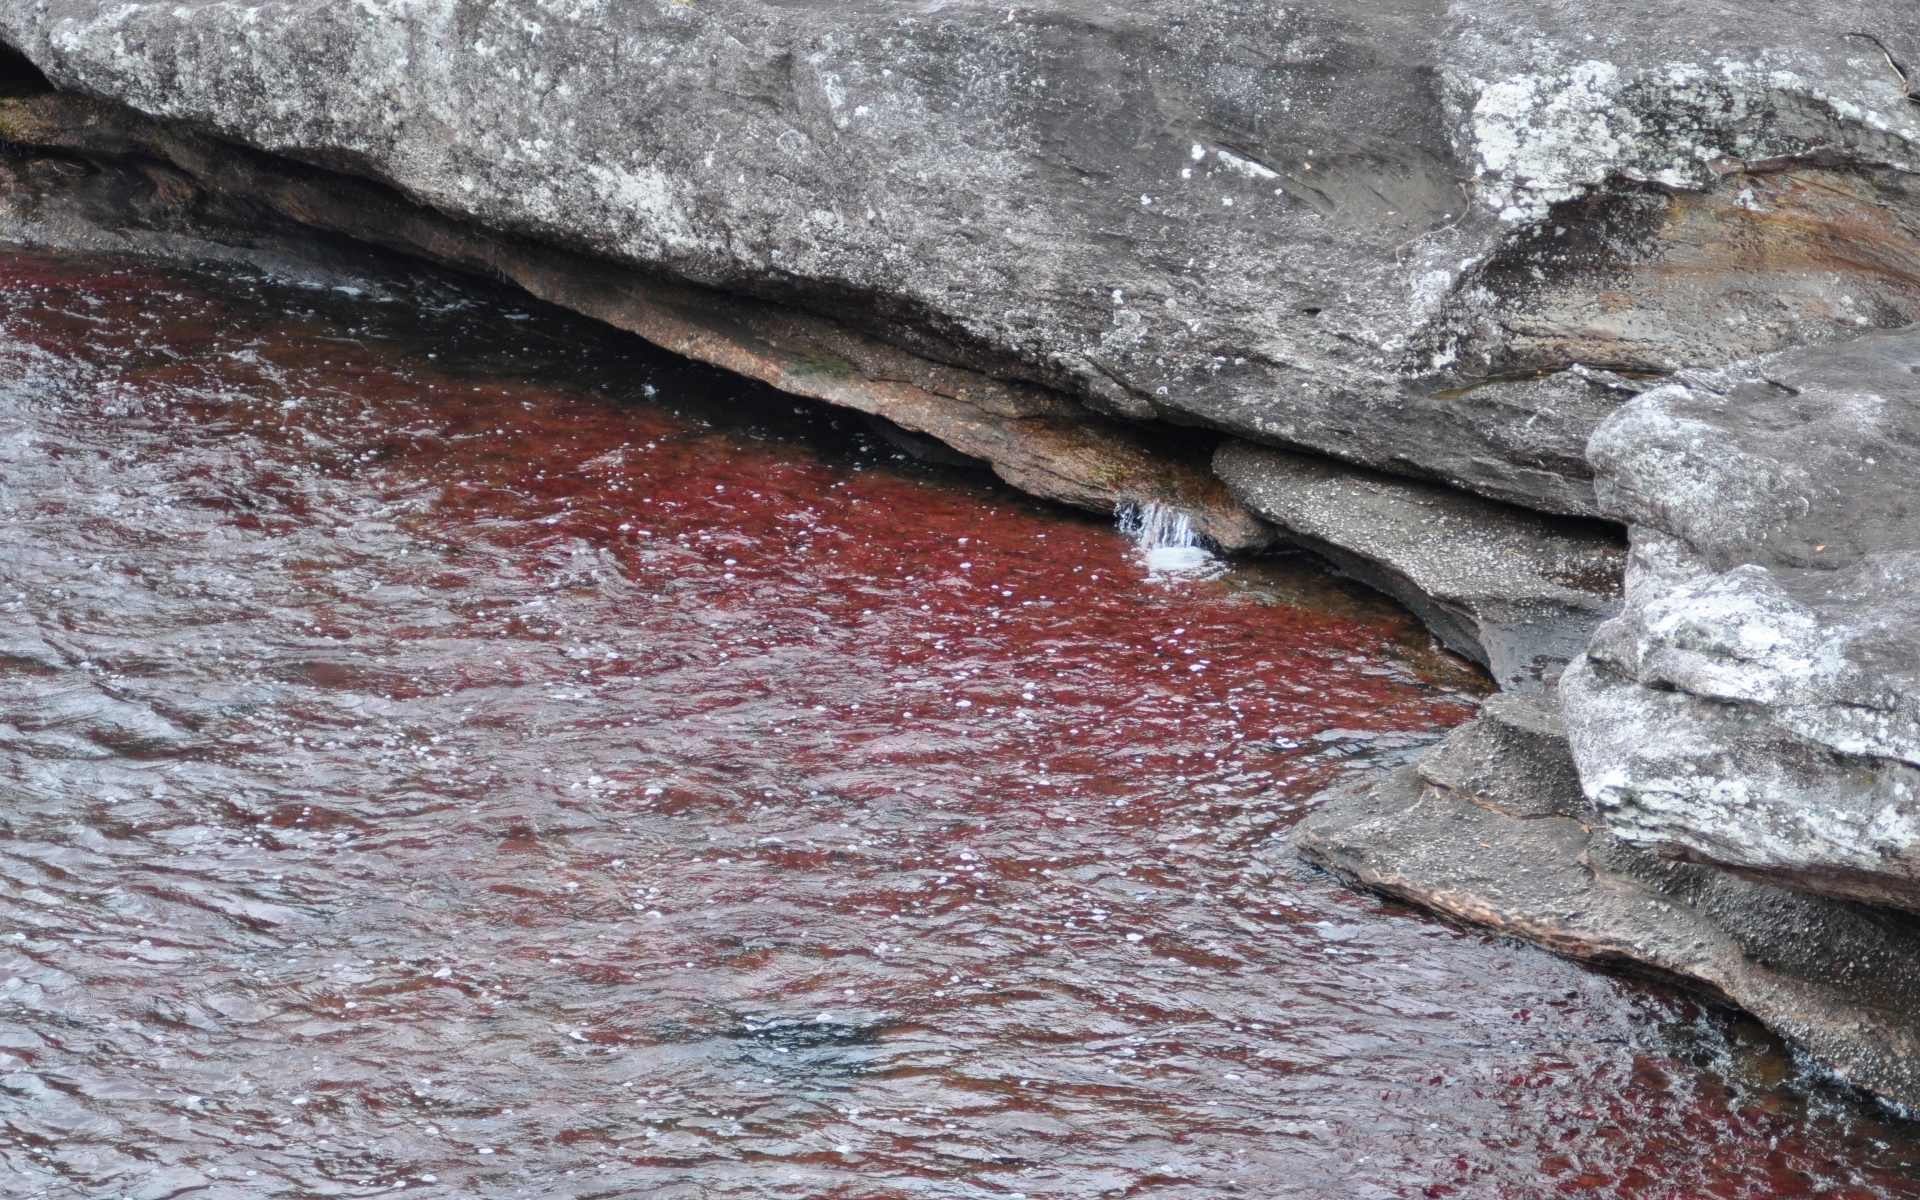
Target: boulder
(1756, 705)
(1492, 829)
(1518, 592)
(1366, 230)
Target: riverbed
(451, 746)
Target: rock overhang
(1169, 211)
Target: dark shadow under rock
(1489, 829)
(136, 184)
(1516, 591)
(1325, 226)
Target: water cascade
(1166, 540)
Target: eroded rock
(1329, 226)
(1491, 829)
(1757, 703)
(1516, 591)
(155, 187)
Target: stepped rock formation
(1395, 271)
(1757, 704)
(1512, 590)
(1732, 797)
(1492, 828)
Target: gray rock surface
(1354, 227)
(1516, 591)
(1757, 703)
(1491, 829)
(1515, 757)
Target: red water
(449, 746)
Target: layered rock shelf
(1755, 704)
(1583, 329)
(1515, 591)
(1492, 829)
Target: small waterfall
(1166, 539)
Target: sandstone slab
(1516, 591)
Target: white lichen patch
(1430, 289)
(1672, 770)
(647, 194)
(1543, 139)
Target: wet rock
(153, 187)
(1757, 703)
(1343, 227)
(1515, 591)
(1515, 757)
(1492, 829)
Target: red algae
(451, 746)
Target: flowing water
(450, 747)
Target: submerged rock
(1516, 591)
(1492, 829)
(1352, 228)
(1757, 703)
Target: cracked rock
(1757, 703)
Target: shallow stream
(451, 747)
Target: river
(452, 747)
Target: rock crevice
(1037, 439)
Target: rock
(1535, 430)
(1514, 757)
(1346, 227)
(1517, 592)
(1757, 703)
(155, 188)
(1467, 834)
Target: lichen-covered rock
(1516, 591)
(1345, 226)
(1757, 703)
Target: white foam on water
(1166, 540)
